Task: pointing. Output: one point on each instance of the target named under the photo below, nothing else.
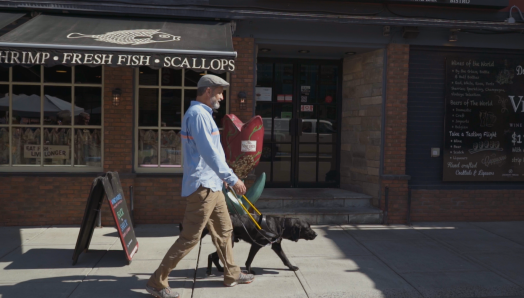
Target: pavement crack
(300, 281)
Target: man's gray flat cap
(211, 81)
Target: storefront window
(162, 98)
(51, 119)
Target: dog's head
(299, 229)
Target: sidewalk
(426, 260)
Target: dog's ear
(295, 231)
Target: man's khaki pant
(203, 207)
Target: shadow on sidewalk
(98, 286)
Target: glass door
(298, 102)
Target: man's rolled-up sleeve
(213, 157)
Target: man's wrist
(232, 181)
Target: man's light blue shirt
(204, 159)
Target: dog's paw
(293, 268)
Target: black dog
(285, 228)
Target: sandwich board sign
(107, 186)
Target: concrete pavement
(425, 260)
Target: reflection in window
(265, 75)
(26, 146)
(4, 74)
(88, 147)
(26, 74)
(148, 107)
(4, 104)
(57, 74)
(88, 106)
(43, 127)
(171, 108)
(147, 76)
(192, 77)
(26, 104)
(57, 100)
(171, 149)
(88, 75)
(147, 148)
(4, 145)
(57, 146)
(189, 96)
(171, 77)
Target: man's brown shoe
(244, 278)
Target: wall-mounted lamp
(511, 19)
(117, 95)
(453, 36)
(242, 100)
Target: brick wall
(361, 123)
(467, 205)
(395, 132)
(118, 120)
(243, 79)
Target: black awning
(70, 40)
(7, 18)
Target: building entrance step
(274, 198)
(323, 215)
(320, 205)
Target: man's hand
(239, 188)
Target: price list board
(484, 123)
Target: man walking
(205, 171)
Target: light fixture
(351, 53)
(265, 50)
(453, 35)
(303, 51)
(386, 31)
(511, 19)
(117, 94)
(242, 100)
(61, 71)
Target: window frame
(42, 168)
(159, 128)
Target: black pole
(408, 219)
(132, 204)
(386, 205)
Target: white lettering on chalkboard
(520, 70)
(516, 105)
(493, 160)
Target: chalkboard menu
(115, 196)
(107, 186)
(484, 124)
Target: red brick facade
(60, 199)
(467, 205)
(397, 69)
(243, 79)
